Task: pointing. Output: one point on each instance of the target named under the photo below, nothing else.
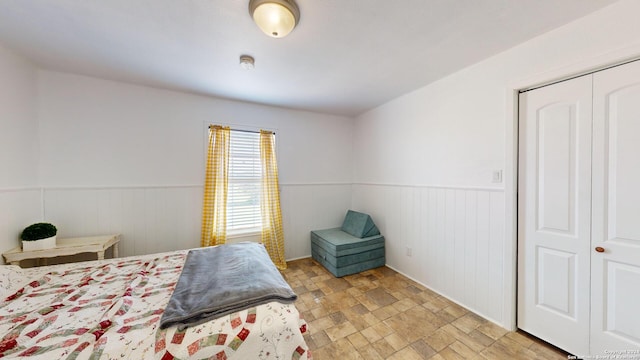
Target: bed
(111, 309)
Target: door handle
(599, 249)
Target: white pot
(42, 244)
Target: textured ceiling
(345, 56)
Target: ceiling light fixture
(247, 62)
(275, 18)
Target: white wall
(19, 192)
(423, 161)
(116, 157)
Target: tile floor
(380, 314)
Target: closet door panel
(615, 289)
(554, 205)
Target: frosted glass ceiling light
(275, 18)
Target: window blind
(243, 196)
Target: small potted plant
(39, 236)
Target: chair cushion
(338, 243)
(359, 225)
(349, 269)
(341, 261)
(344, 254)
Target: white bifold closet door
(554, 213)
(579, 213)
(615, 273)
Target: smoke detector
(247, 62)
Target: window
(243, 195)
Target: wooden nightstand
(68, 246)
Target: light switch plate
(497, 176)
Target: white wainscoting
(455, 236)
(165, 218)
(150, 219)
(19, 208)
(307, 207)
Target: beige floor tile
(370, 319)
(323, 353)
(319, 311)
(380, 314)
(359, 309)
(367, 302)
(398, 294)
(463, 350)
(404, 305)
(423, 349)
(440, 339)
(445, 316)
(340, 331)
(382, 329)
(371, 334)
(492, 330)
(467, 323)
(481, 338)
(368, 353)
(544, 351)
(456, 310)
(301, 306)
(435, 304)
(406, 354)
(337, 284)
(321, 323)
(527, 354)
(320, 338)
(341, 349)
(464, 338)
(355, 292)
(505, 347)
(358, 340)
(338, 317)
(384, 348)
(413, 325)
(385, 312)
(449, 354)
(520, 339)
(396, 341)
(495, 353)
(359, 322)
(380, 296)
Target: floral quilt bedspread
(111, 309)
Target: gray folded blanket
(221, 280)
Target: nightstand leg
(100, 255)
(115, 251)
(15, 263)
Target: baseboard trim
(299, 258)
(448, 298)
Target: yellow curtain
(272, 234)
(214, 209)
